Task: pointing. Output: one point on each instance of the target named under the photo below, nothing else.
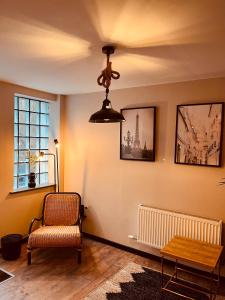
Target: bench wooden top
(196, 252)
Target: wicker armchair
(60, 224)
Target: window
(31, 135)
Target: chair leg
(79, 256)
(28, 256)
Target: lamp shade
(106, 114)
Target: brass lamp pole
(56, 163)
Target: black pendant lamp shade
(107, 114)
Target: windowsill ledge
(38, 187)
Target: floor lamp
(42, 154)
(57, 162)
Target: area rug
(135, 282)
(4, 275)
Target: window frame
(39, 136)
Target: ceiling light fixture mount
(107, 114)
(109, 49)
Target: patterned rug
(135, 282)
(4, 275)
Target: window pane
(44, 120)
(34, 131)
(43, 178)
(44, 131)
(34, 118)
(15, 170)
(44, 143)
(45, 157)
(23, 117)
(33, 168)
(16, 116)
(23, 143)
(15, 183)
(23, 156)
(15, 130)
(34, 143)
(23, 104)
(22, 181)
(24, 130)
(34, 105)
(23, 169)
(44, 107)
(15, 143)
(43, 167)
(33, 158)
(36, 168)
(15, 156)
(37, 179)
(34, 153)
(16, 103)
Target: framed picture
(137, 134)
(199, 134)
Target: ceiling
(55, 45)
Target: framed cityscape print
(137, 134)
(199, 130)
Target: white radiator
(157, 227)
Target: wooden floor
(55, 274)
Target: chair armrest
(32, 223)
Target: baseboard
(121, 246)
(141, 253)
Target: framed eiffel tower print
(137, 134)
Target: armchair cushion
(55, 236)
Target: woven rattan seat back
(61, 209)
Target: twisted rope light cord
(105, 78)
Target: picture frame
(199, 134)
(137, 134)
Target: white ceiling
(55, 45)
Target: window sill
(38, 187)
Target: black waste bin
(11, 246)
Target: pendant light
(107, 114)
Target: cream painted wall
(16, 210)
(113, 188)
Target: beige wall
(113, 188)
(16, 210)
